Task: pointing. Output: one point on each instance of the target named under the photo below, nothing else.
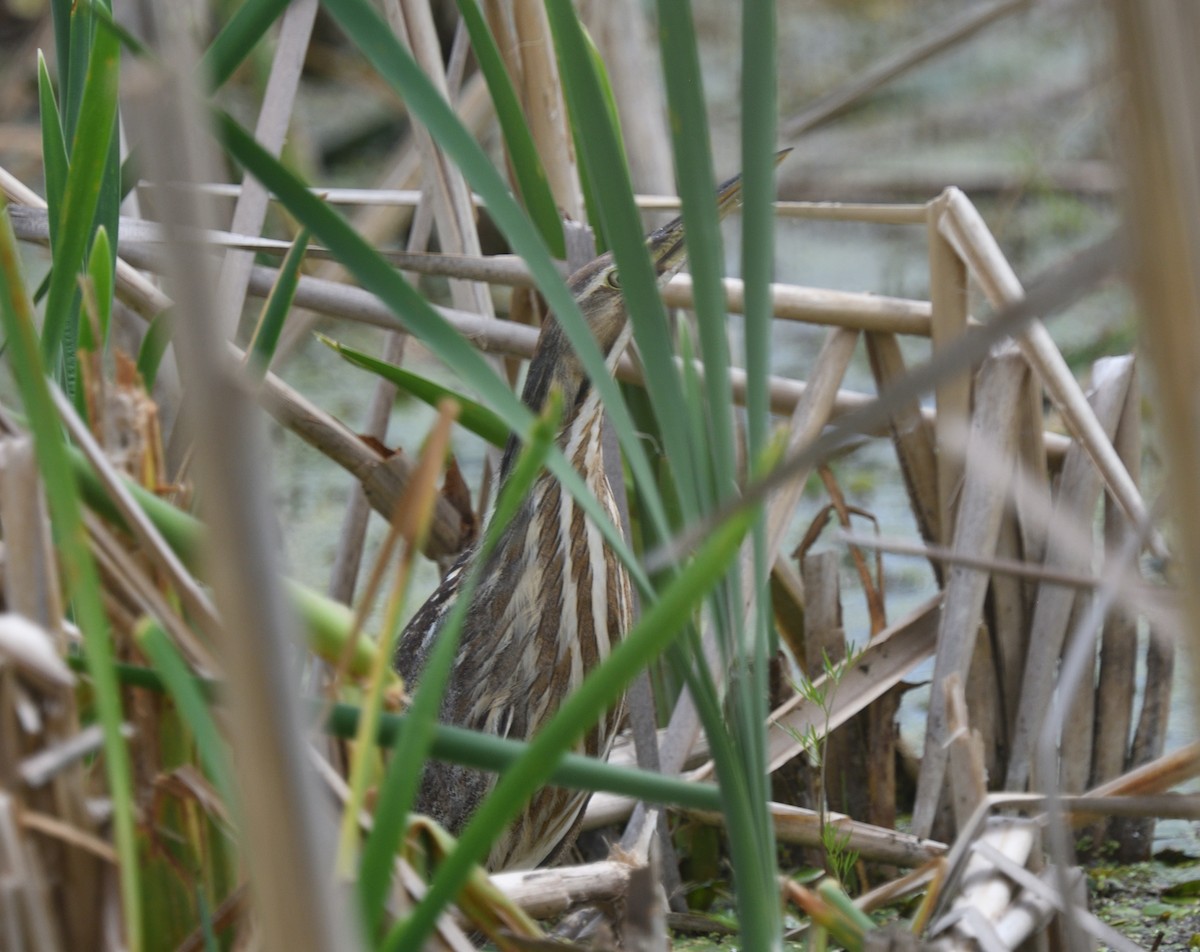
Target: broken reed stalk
(912, 437)
(1079, 491)
(1113, 382)
(948, 300)
(964, 227)
(990, 447)
(1118, 644)
(400, 197)
(250, 209)
(876, 844)
(412, 21)
(967, 771)
(348, 302)
(825, 639)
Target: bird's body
(553, 600)
(549, 608)
(529, 638)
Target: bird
(553, 600)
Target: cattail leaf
(275, 310)
(154, 345)
(473, 415)
(237, 38)
(54, 147)
(604, 162)
(100, 277)
(179, 682)
(89, 157)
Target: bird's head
(597, 288)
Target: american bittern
(553, 600)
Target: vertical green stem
(761, 926)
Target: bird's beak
(666, 245)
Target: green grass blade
(473, 415)
(54, 145)
(189, 700)
(694, 172)
(654, 632)
(60, 15)
(43, 287)
(90, 158)
(608, 97)
(590, 203)
(699, 415)
(275, 309)
(105, 21)
(586, 179)
(758, 212)
(100, 274)
(605, 164)
(72, 77)
(531, 175)
(399, 788)
(82, 580)
(396, 65)
(108, 205)
(754, 857)
(473, 749)
(237, 38)
(488, 752)
(83, 94)
(129, 175)
(154, 346)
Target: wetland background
(1018, 115)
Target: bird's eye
(612, 280)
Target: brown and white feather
(553, 600)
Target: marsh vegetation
(907, 520)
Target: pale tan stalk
(1160, 145)
(964, 227)
(984, 493)
(948, 298)
(544, 105)
(1079, 491)
(412, 22)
